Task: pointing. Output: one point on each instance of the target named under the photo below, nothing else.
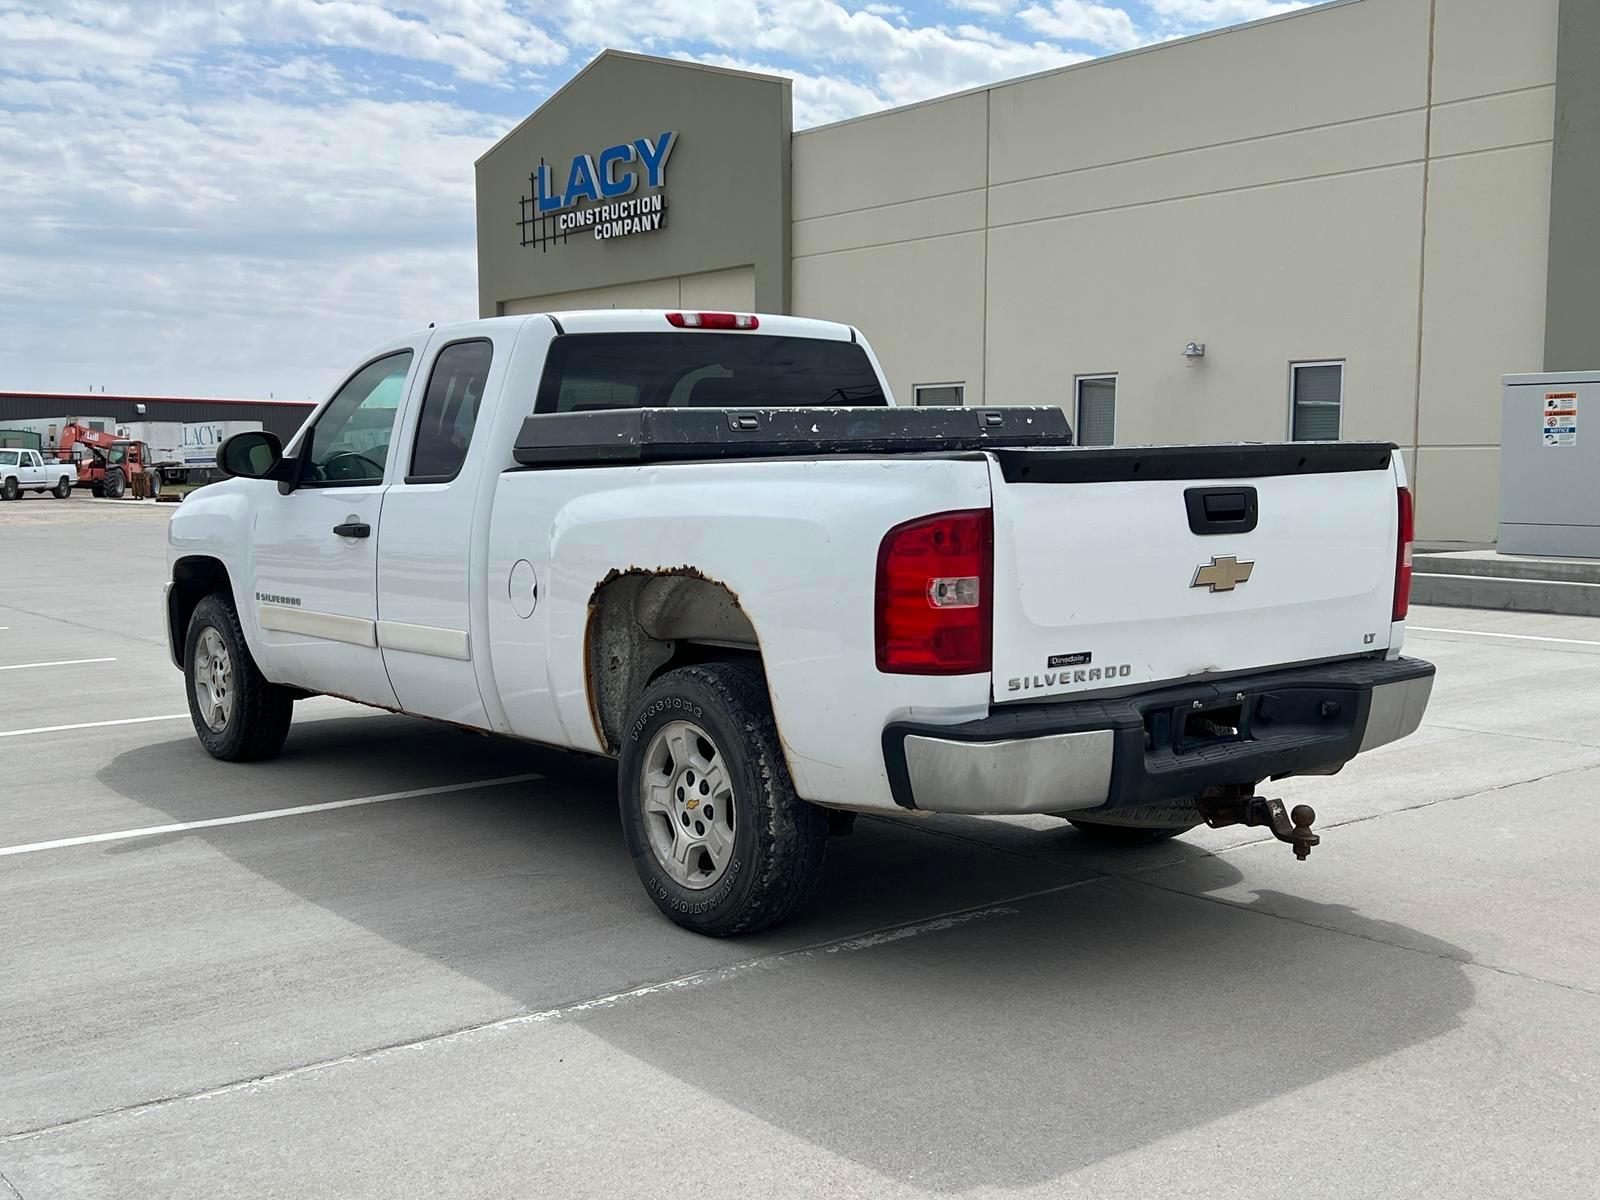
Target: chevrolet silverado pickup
(710, 546)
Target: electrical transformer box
(1550, 464)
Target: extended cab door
(315, 561)
(431, 533)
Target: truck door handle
(353, 529)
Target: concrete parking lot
(455, 986)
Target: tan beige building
(1346, 222)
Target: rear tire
(155, 484)
(63, 489)
(9, 489)
(720, 840)
(238, 714)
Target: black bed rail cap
(1232, 460)
(644, 435)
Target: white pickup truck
(29, 471)
(710, 546)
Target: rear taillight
(1402, 561)
(935, 595)
(686, 320)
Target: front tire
(114, 484)
(709, 814)
(238, 714)
(9, 489)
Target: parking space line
(1521, 637)
(60, 662)
(9, 733)
(123, 835)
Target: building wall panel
(1481, 47)
(1484, 300)
(921, 303)
(1343, 63)
(1322, 269)
(929, 150)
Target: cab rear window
(591, 371)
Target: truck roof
(645, 320)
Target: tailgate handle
(1221, 510)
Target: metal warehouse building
(282, 417)
(1349, 221)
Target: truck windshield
(592, 371)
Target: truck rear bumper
(1081, 755)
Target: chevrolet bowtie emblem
(1222, 574)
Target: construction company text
(615, 220)
(602, 185)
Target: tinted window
(1097, 410)
(1318, 400)
(350, 441)
(704, 370)
(449, 410)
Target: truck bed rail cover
(1235, 460)
(646, 435)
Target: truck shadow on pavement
(1000, 1048)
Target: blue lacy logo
(598, 193)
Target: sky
(238, 199)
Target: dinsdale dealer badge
(598, 193)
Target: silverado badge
(1222, 574)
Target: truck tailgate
(1125, 567)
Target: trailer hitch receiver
(1292, 827)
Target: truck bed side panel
(795, 542)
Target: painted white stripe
(123, 835)
(60, 662)
(1521, 637)
(332, 627)
(425, 639)
(5, 733)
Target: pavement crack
(11, 1188)
(1526, 737)
(94, 629)
(1464, 959)
(861, 940)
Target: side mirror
(255, 454)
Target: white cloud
(1080, 21)
(1213, 13)
(230, 197)
(477, 39)
(903, 63)
(818, 99)
(235, 246)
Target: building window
(1097, 410)
(931, 394)
(1316, 394)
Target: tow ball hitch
(1292, 827)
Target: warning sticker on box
(1560, 419)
